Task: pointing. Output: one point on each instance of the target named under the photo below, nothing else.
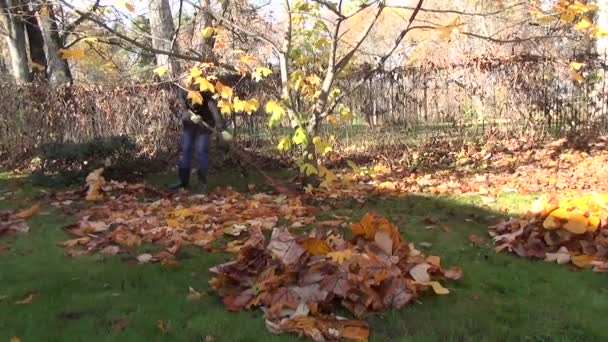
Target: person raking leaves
(199, 120)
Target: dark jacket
(208, 111)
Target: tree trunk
(11, 15)
(36, 44)
(162, 27)
(58, 68)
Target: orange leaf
(340, 256)
(33, 210)
(582, 260)
(316, 246)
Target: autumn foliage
(302, 281)
(563, 230)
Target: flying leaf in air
(195, 97)
(248, 59)
(75, 54)
(208, 32)
(161, 70)
(127, 5)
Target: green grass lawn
(95, 298)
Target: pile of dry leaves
(563, 230)
(123, 217)
(301, 281)
(507, 166)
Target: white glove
(226, 136)
(195, 118)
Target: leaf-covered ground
(98, 298)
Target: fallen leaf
(163, 326)
(420, 273)
(340, 256)
(27, 213)
(194, 295)
(438, 288)
(110, 250)
(27, 300)
(144, 258)
(4, 248)
(15, 339)
(583, 260)
(425, 244)
(477, 240)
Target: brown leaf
(15, 339)
(110, 250)
(144, 258)
(453, 273)
(74, 242)
(163, 326)
(477, 240)
(316, 246)
(4, 248)
(384, 241)
(27, 213)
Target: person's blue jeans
(194, 139)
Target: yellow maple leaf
(438, 288)
(161, 70)
(273, 107)
(91, 40)
(208, 32)
(577, 75)
(314, 80)
(584, 24)
(316, 246)
(568, 17)
(248, 106)
(260, 72)
(75, 54)
(204, 84)
(195, 97)
(195, 72)
(224, 106)
(340, 256)
(576, 66)
(224, 90)
(248, 59)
